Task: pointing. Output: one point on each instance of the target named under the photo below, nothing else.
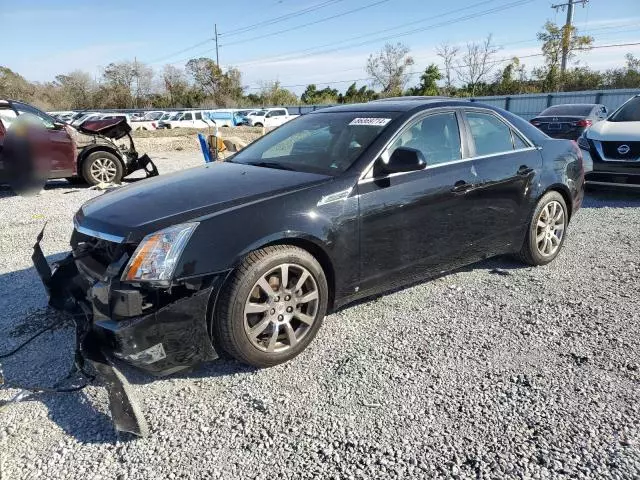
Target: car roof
(575, 105)
(402, 105)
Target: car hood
(615, 131)
(134, 211)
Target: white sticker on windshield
(377, 122)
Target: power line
(506, 59)
(287, 56)
(501, 45)
(161, 59)
(305, 53)
(281, 18)
(297, 27)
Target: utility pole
(566, 32)
(135, 69)
(215, 31)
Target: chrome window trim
(94, 233)
(598, 145)
(365, 178)
(429, 167)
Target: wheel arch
(311, 245)
(318, 252)
(99, 147)
(308, 243)
(566, 195)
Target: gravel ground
(495, 371)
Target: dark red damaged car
(95, 152)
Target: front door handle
(523, 171)
(461, 187)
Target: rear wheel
(258, 125)
(272, 307)
(102, 167)
(547, 230)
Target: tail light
(153, 124)
(583, 123)
(535, 123)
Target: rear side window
(518, 143)
(571, 110)
(489, 134)
(198, 116)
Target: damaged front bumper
(120, 320)
(143, 163)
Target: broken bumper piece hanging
(160, 330)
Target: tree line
(472, 70)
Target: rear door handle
(524, 170)
(461, 187)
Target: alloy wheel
(104, 170)
(550, 228)
(281, 308)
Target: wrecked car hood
(114, 128)
(136, 210)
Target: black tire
(228, 326)
(258, 125)
(88, 170)
(530, 252)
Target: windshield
(629, 112)
(325, 143)
(153, 116)
(572, 110)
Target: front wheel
(272, 306)
(102, 167)
(547, 230)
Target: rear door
(508, 164)
(187, 120)
(278, 117)
(198, 121)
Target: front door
(419, 223)
(60, 149)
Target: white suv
(611, 148)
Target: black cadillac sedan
(247, 256)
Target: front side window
(436, 136)
(187, 116)
(44, 119)
(629, 112)
(489, 134)
(7, 117)
(326, 143)
(198, 116)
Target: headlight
(156, 257)
(583, 143)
